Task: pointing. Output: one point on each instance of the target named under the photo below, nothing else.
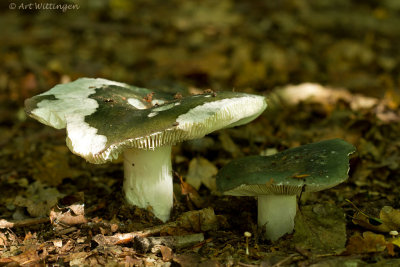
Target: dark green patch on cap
(315, 167)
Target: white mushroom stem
(148, 180)
(276, 213)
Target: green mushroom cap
(103, 118)
(309, 168)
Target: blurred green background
(226, 44)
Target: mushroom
(105, 118)
(276, 180)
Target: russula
(105, 118)
(276, 180)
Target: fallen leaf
(202, 171)
(70, 213)
(58, 243)
(191, 193)
(3, 240)
(367, 243)
(187, 259)
(321, 229)
(129, 261)
(396, 241)
(369, 222)
(39, 199)
(199, 220)
(77, 258)
(389, 219)
(228, 144)
(166, 253)
(29, 252)
(53, 167)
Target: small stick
(118, 239)
(279, 263)
(153, 244)
(32, 221)
(22, 223)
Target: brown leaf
(28, 257)
(320, 229)
(3, 240)
(228, 144)
(53, 167)
(166, 253)
(202, 171)
(369, 222)
(388, 216)
(199, 220)
(367, 243)
(188, 259)
(129, 261)
(70, 211)
(39, 199)
(77, 258)
(192, 194)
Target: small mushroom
(247, 235)
(104, 119)
(276, 180)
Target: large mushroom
(105, 118)
(276, 180)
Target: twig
(153, 244)
(22, 223)
(279, 263)
(247, 265)
(33, 221)
(128, 237)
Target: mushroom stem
(148, 180)
(276, 213)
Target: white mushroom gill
(276, 213)
(148, 180)
(225, 113)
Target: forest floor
(218, 46)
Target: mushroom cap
(312, 167)
(103, 117)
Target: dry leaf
(389, 219)
(228, 144)
(199, 220)
(166, 253)
(367, 243)
(202, 171)
(39, 199)
(369, 222)
(396, 241)
(191, 193)
(320, 228)
(71, 213)
(53, 167)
